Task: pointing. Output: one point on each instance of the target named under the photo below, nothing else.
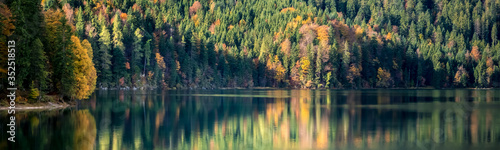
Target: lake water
(266, 119)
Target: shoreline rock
(38, 106)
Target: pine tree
(63, 60)
(58, 34)
(319, 69)
(28, 23)
(38, 67)
(147, 53)
(494, 32)
(351, 9)
(80, 23)
(211, 52)
(480, 74)
(119, 69)
(104, 58)
(346, 60)
(203, 54)
(330, 4)
(137, 53)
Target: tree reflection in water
(52, 129)
(267, 119)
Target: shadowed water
(266, 119)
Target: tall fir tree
(104, 58)
(118, 59)
(80, 23)
(29, 49)
(137, 53)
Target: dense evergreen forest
(251, 43)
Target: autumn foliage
(123, 16)
(476, 55)
(388, 36)
(322, 32)
(305, 66)
(6, 28)
(286, 46)
(195, 7)
(195, 20)
(84, 71)
(461, 76)
(384, 78)
(275, 68)
(160, 61)
(288, 9)
(354, 73)
(85, 130)
(212, 44)
(212, 27)
(6, 20)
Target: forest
(72, 47)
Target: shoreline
(38, 106)
(292, 88)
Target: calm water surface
(266, 119)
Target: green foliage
(103, 60)
(316, 43)
(80, 23)
(29, 49)
(137, 53)
(39, 69)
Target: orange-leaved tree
(475, 53)
(6, 27)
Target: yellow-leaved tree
(322, 32)
(384, 78)
(84, 71)
(86, 45)
(85, 130)
(304, 66)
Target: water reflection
(267, 119)
(60, 129)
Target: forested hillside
(255, 43)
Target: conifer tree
(80, 23)
(119, 68)
(28, 28)
(137, 53)
(104, 58)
